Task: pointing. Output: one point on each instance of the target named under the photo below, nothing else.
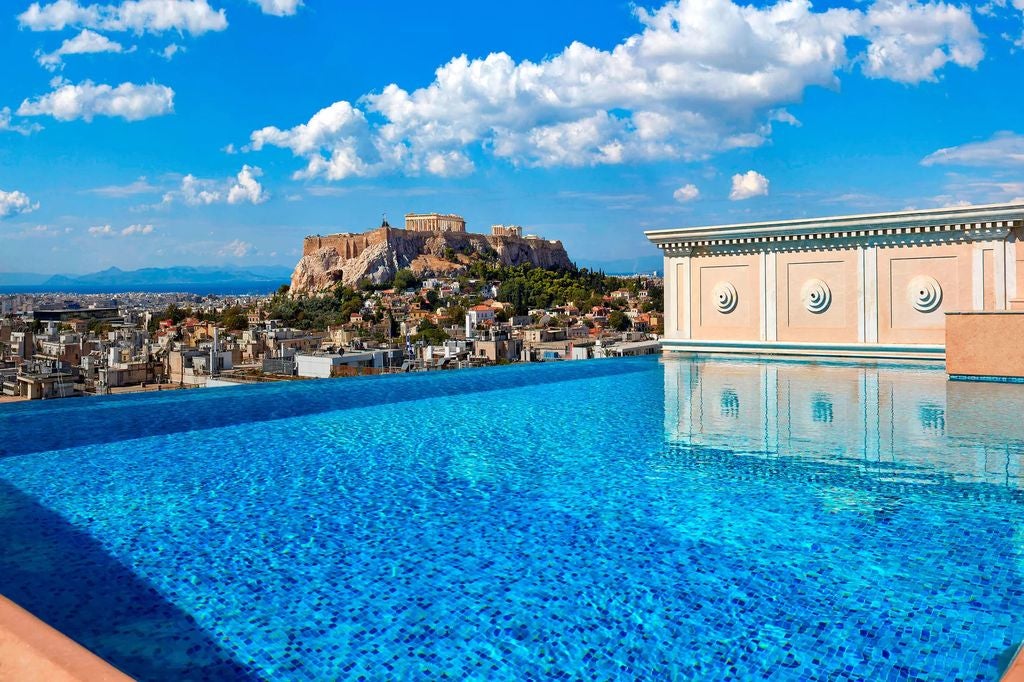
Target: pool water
(615, 519)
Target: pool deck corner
(32, 651)
(985, 345)
(1015, 671)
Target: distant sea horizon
(258, 288)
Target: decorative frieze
(907, 227)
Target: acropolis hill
(432, 245)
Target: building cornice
(933, 226)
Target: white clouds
(171, 50)
(278, 8)
(57, 16)
(242, 188)
(999, 154)
(137, 230)
(21, 128)
(686, 193)
(748, 185)
(138, 16)
(196, 192)
(236, 248)
(139, 186)
(15, 203)
(247, 188)
(1004, 148)
(340, 129)
(130, 231)
(448, 164)
(980, 190)
(911, 42)
(86, 42)
(701, 77)
(589, 141)
(39, 232)
(783, 116)
(87, 100)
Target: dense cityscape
(66, 344)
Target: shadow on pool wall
(897, 419)
(67, 423)
(43, 559)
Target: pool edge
(32, 650)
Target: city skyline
(209, 132)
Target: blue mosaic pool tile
(612, 525)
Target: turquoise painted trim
(986, 378)
(928, 352)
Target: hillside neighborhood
(66, 345)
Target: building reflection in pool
(821, 408)
(730, 403)
(904, 422)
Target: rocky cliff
(379, 254)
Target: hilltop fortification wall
(347, 245)
(378, 254)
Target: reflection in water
(902, 422)
(730, 403)
(932, 416)
(821, 408)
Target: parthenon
(434, 222)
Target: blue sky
(144, 133)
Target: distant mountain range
(152, 278)
(227, 277)
(174, 275)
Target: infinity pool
(616, 519)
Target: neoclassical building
(434, 222)
(507, 230)
(876, 285)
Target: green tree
(174, 313)
(98, 327)
(619, 321)
(234, 317)
(657, 297)
(430, 333)
(516, 292)
(455, 315)
(316, 312)
(405, 279)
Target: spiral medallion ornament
(816, 296)
(925, 293)
(725, 297)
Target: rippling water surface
(614, 519)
